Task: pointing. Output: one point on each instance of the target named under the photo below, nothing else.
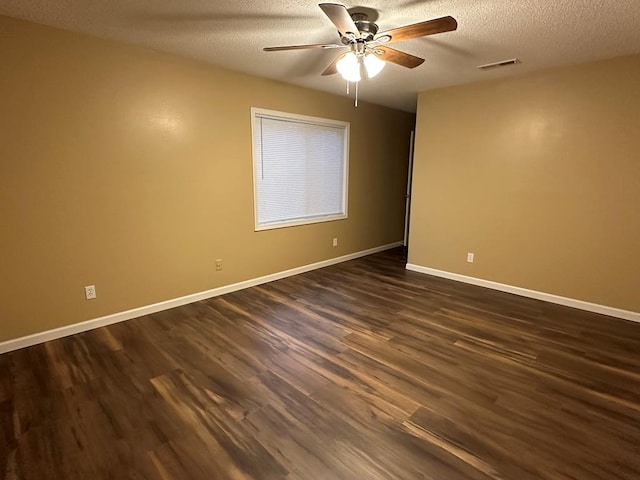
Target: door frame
(407, 207)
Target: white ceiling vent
(502, 63)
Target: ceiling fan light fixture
(349, 67)
(373, 64)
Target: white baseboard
(29, 340)
(523, 292)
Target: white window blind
(300, 169)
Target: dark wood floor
(357, 371)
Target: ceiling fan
(367, 49)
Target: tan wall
(132, 170)
(539, 176)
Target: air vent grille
(502, 63)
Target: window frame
(297, 118)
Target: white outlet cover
(470, 257)
(90, 292)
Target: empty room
(316, 241)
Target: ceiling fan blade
(399, 58)
(422, 29)
(302, 47)
(332, 69)
(341, 18)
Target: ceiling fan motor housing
(366, 28)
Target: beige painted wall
(132, 170)
(539, 176)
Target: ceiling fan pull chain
(357, 94)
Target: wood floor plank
(362, 370)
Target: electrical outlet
(335, 241)
(470, 257)
(218, 264)
(90, 292)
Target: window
(299, 169)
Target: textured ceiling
(231, 33)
